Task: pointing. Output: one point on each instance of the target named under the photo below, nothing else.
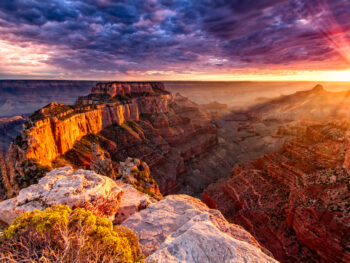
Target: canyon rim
(175, 131)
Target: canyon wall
(140, 120)
(127, 88)
(295, 201)
(58, 128)
(167, 141)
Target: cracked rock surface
(180, 228)
(64, 186)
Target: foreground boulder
(175, 229)
(131, 202)
(79, 188)
(182, 229)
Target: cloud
(120, 36)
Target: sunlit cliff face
(157, 39)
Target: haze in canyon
(175, 131)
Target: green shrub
(60, 234)
(145, 182)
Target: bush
(144, 182)
(60, 234)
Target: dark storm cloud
(107, 35)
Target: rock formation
(245, 135)
(125, 119)
(314, 104)
(176, 229)
(131, 202)
(5, 184)
(79, 188)
(121, 90)
(182, 229)
(15, 176)
(101, 162)
(294, 201)
(137, 173)
(53, 130)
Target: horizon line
(155, 80)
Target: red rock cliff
(294, 201)
(53, 130)
(126, 120)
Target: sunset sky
(175, 39)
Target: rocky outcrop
(79, 188)
(176, 229)
(53, 130)
(294, 201)
(131, 202)
(137, 173)
(101, 162)
(182, 229)
(105, 91)
(125, 119)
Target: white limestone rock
(81, 188)
(180, 228)
(198, 240)
(131, 202)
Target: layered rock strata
(126, 119)
(53, 130)
(294, 201)
(108, 91)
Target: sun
(342, 75)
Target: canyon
(295, 200)
(278, 168)
(20, 97)
(139, 119)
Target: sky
(175, 39)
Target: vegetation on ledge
(60, 234)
